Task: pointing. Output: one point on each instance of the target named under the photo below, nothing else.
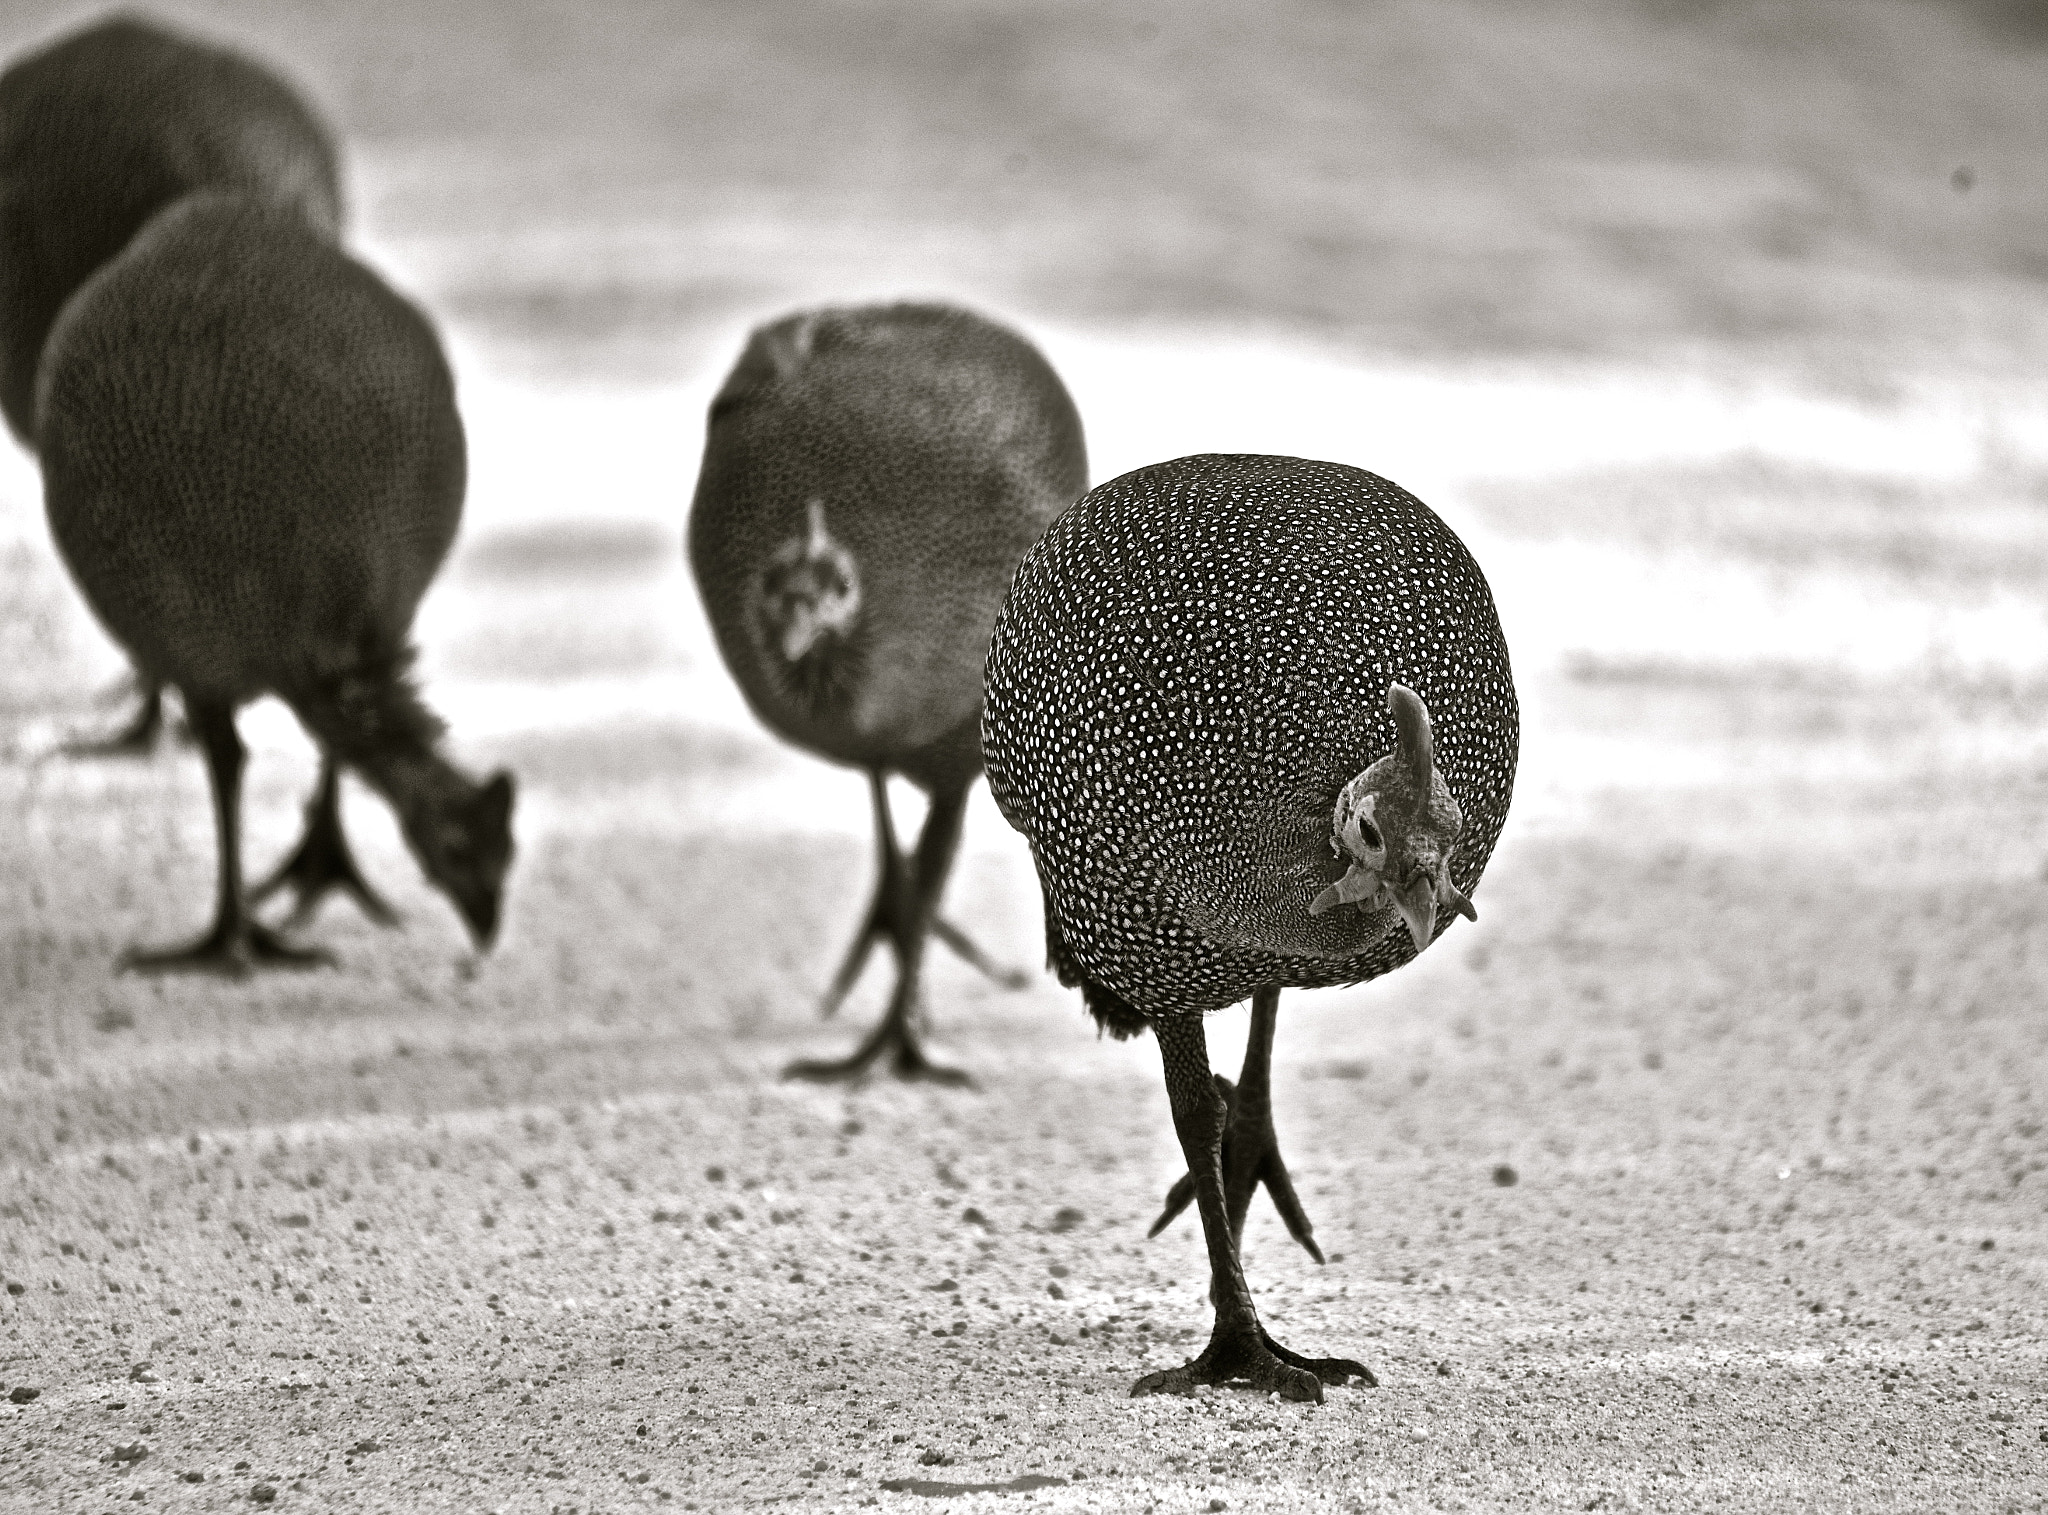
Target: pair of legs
(905, 913)
(322, 861)
(1226, 1134)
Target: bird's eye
(1371, 833)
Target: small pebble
(1505, 1176)
(263, 1493)
(22, 1394)
(1065, 1219)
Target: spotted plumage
(871, 477)
(104, 128)
(1192, 664)
(253, 465)
(99, 131)
(1255, 716)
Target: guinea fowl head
(1398, 824)
(466, 848)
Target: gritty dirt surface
(1705, 1171)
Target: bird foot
(136, 739)
(965, 948)
(231, 952)
(1251, 1157)
(1248, 1356)
(906, 1059)
(320, 864)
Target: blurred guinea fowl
(871, 477)
(253, 465)
(99, 131)
(1256, 718)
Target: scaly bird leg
(905, 904)
(1251, 1152)
(1239, 1349)
(236, 943)
(880, 924)
(322, 861)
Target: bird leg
(1239, 1349)
(1251, 1152)
(322, 861)
(881, 921)
(237, 942)
(906, 901)
(138, 737)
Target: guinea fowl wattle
(871, 478)
(1256, 718)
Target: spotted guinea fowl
(99, 131)
(871, 477)
(253, 465)
(1255, 716)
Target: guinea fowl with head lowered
(253, 464)
(1255, 716)
(99, 131)
(871, 477)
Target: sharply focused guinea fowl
(871, 477)
(253, 465)
(99, 131)
(1255, 716)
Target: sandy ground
(1706, 1171)
(1751, 1018)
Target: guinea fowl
(99, 131)
(871, 477)
(1256, 718)
(253, 465)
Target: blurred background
(1715, 327)
(1742, 300)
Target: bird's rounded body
(252, 458)
(1191, 665)
(109, 125)
(871, 478)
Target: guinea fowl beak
(1417, 905)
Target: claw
(1178, 1198)
(1249, 1356)
(229, 951)
(1273, 1174)
(964, 948)
(1268, 1170)
(322, 862)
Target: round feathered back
(252, 459)
(871, 477)
(104, 128)
(1192, 663)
